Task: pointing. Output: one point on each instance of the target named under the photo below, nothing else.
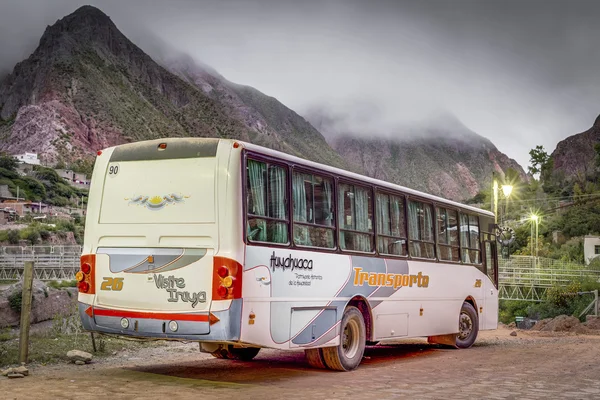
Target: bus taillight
(85, 276)
(226, 279)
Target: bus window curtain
(413, 228)
(464, 237)
(342, 189)
(301, 235)
(328, 202)
(257, 189)
(277, 189)
(362, 242)
(428, 230)
(383, 222)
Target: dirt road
(529, 366)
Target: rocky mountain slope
(87, 86)
(575, 156)
(442, 157)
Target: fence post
(596, 298)
(25, 311)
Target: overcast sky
(518, 72)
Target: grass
(66, 334)
(47, 348)
(62, 284)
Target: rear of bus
(163, 242)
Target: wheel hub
(465, 325)
(350, 338)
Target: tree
(539, 160)
(8, 162)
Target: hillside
(86, 87)
(442, 157)
(575, 156)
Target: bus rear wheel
(468, 326)
(315, 358)
(348, 355)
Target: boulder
(78, 355)
(47, 303)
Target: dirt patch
(562, 323)
(593, 323)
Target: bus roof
(348, 174)
(332, 170)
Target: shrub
(13, 236)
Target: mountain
(442, 156)
(87, 86)
(575, 156)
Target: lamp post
(536, 219)
(495, 196)
(506, 190)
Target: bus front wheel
(468, 326)
(348, 355)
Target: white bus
(240, 247)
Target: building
(73, 178)
(28, 158)
(591, 248)
(26, 207)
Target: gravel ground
(531, 365)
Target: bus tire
(221, 352)
(242, 353)
(468, 326)
(315, 358)
(348, 355)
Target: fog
(520, 73)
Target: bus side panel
(290, 291)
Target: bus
(240, 247)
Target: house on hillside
(26, 207)
(28, 158)
(7, 215)
(591, 248)
(73, 178)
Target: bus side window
(447, 234)
(391, 232)
(469, 239)
(314, 224)
(266, 188)
(355, 211)
(420, 229)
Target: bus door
(491, 286)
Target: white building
(591, 248)
(28, 158)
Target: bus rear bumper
(206, 326)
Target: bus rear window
(175, 191)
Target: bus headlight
(173, 326)
(124, 323)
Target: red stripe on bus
(149, 315)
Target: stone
(14, 375)
(78, 355)
(21, 370)
(79, 362)
(7, 371)
(513, 333)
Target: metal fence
(520, 277)
(528, 278)
(59, 262)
